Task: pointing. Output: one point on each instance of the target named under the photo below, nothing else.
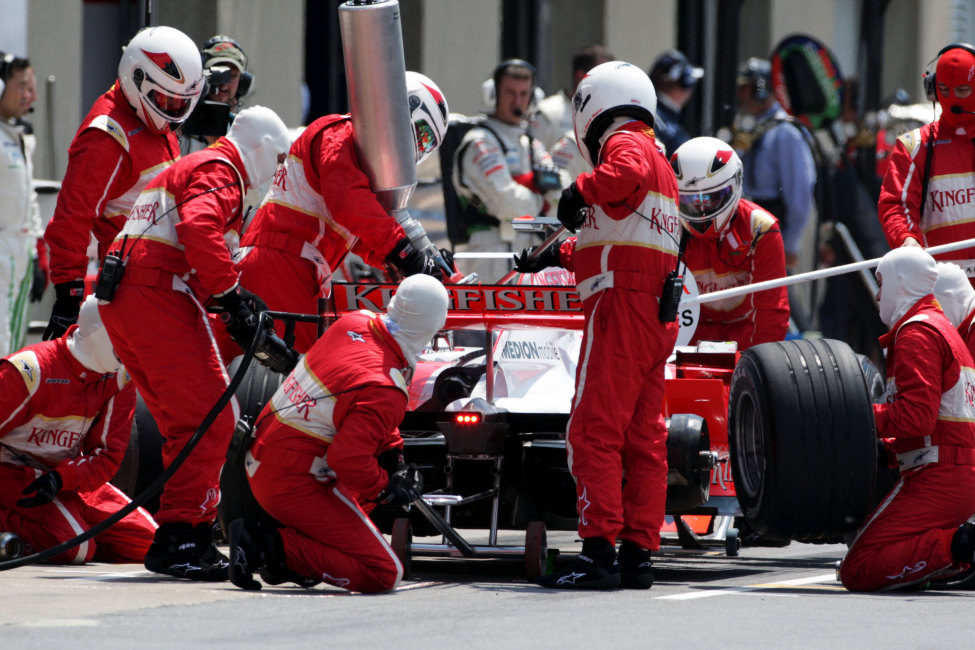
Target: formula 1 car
(782, 434)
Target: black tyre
(802, 439)
(401, 541)
(143, 462)
(256, 389)
(536, 550)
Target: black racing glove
(391, 460)
(45, 487)
(39, 283)
(67, 304)
(240, 308)
(405, 487)
(571, 206)
(524, 263)
(407, 260)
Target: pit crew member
(327, 448)
(627, 245)
(957, 299)
(919, 532)
(321, 206)
(67, 410)
(733, 242)
(495, 173)
(123, 143)
(927, 193)
(177, 258)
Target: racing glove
(525, 263)
(405, 486)
(391, 460)
(240, 308)
(571, 208)
(45, 487)
(67, 304)
(407, 260)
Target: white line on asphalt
(418, 585)
(725, 591)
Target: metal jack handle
(545, 245)
(443, 527)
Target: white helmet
(709, 181)
(610, 90)
(428, 111)
(89, 343)
(261, 137)
(161, 74)
(416, 312)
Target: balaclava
(907, 274)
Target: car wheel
(401, 541)
(802, 439)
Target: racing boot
(211, 554)
(963, 543)
(274, 570)
(636, 567)
(595, 568)
(177, 551)
(245, 555)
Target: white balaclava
(954, 292)
(89, 343)
(907, 274)
(260, 136)
(416, 312)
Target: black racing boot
(636, 567)
(594, 568)
(245, 555)
(210, 553)
(274, 570)
(176, 551)
(963, 544)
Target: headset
(489, 87)
(929, 79)
(6, 59)
(246, 78)
(757, 73)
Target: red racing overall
(928, 421)
(320, 207)
(313, 465)
(749, 251)
(59, 415)
(621, 258)
(112, 158)
(177, 259)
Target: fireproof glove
(571, 206)
(240, 315)
(407, 260)
(391, 460)
(67, 304)
(45, 487)
(405, 487)
(524, 263)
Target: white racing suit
(493, 172)
(19, 228)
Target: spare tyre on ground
(802, 440)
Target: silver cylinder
(375, 72)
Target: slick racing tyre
(256, 389)
(143, 458)
(802, 439)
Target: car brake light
(467, 418)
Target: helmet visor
(173, 107)
(703, 206)
(426, 138)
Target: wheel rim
(751, 447)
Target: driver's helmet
(610, 90)
(709, 182)
(428, 111)
(161, 75)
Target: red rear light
(467, 418)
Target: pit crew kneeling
(67, 407)
(327, 449)
(919, 532)
(627, 245)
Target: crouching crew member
(67, 410)
(175, 248)
(327, 448)
(920, 531)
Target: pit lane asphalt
(766, 597)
